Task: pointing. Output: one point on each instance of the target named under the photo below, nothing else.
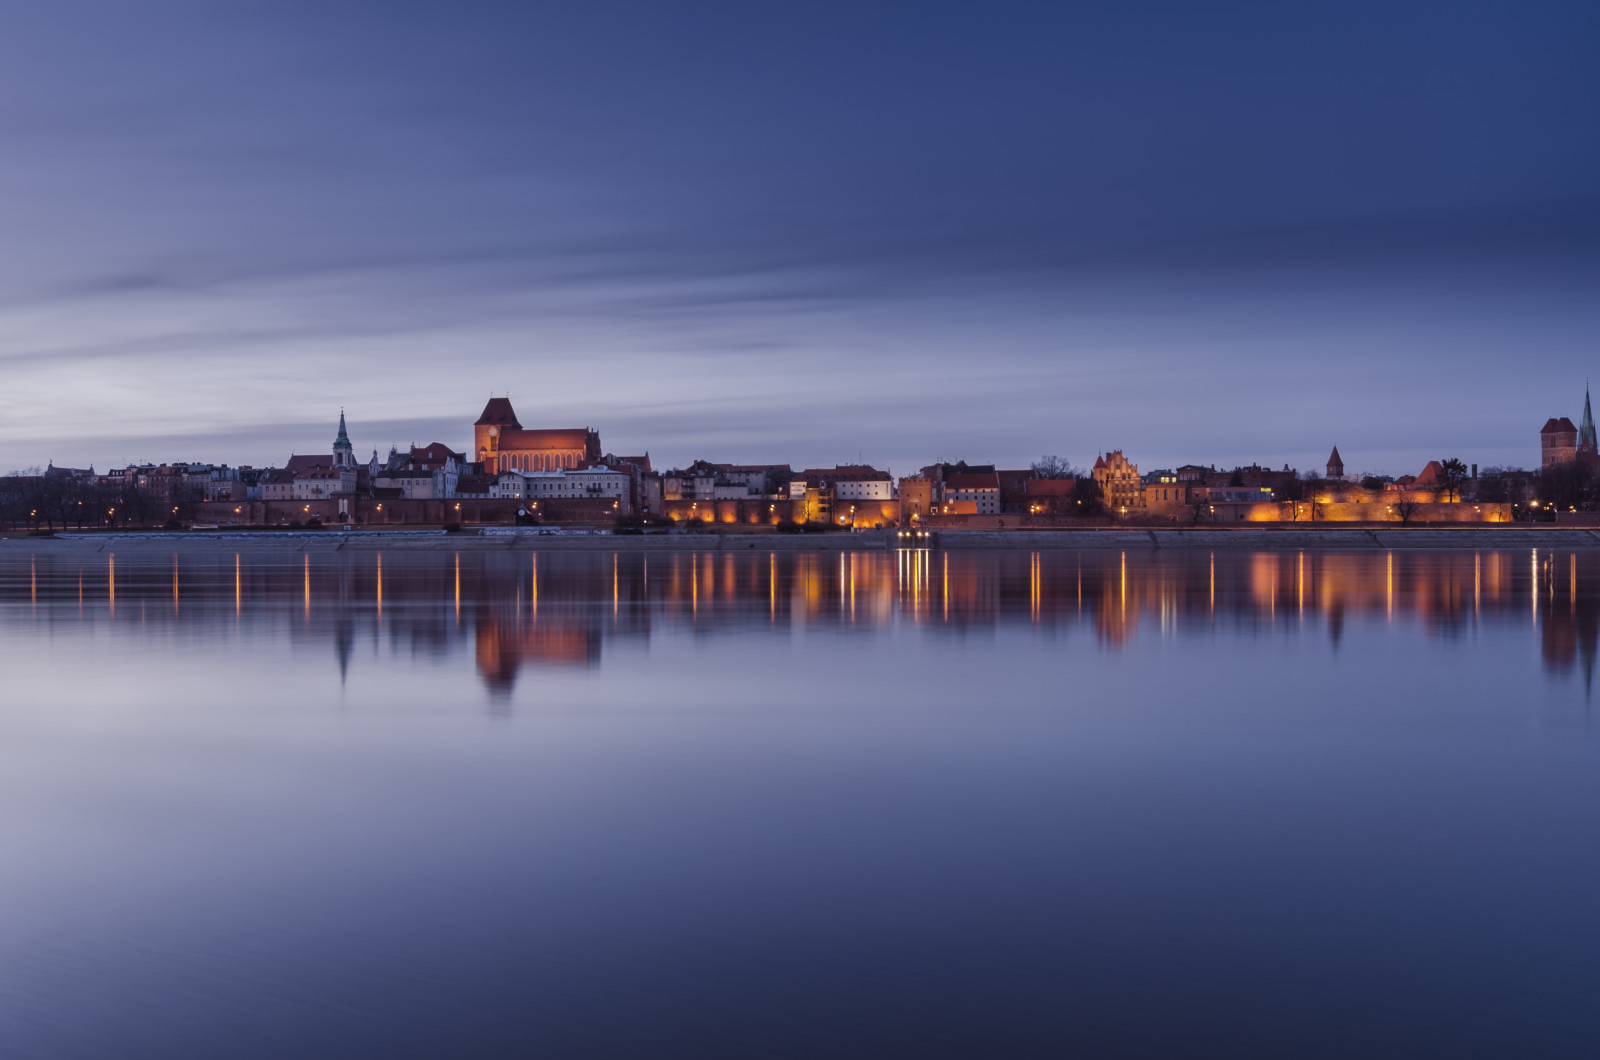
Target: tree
(1452, 473)
(14, 499)
(1052, 466)
(1407, 506)
(1495, 487)
(1199, 508)
(1567, 485)
(1090, 500)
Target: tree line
(38, 500)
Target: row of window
(539, 462)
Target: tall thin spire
(343, 441)
(1586, 438)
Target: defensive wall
(1520, 536)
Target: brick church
(501, 443)
(1562, 443)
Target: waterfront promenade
(494, 539)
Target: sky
(812, 233)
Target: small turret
(1335, 464)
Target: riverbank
(497, 539)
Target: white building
(321, 483)
(981, 488)
(851, 482)
(594, 483)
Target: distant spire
(1586, 438)
(343, 441)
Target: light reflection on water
(512, 613)
(597, 803)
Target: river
(921, 803)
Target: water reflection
(529, 610)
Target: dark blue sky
(803, 232)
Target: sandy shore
(1471, 537)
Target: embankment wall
(1465, 537)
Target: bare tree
(1052, 466)
(1407, 506)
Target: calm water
(1008, 804)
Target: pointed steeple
(1586, 438)
(344, 454)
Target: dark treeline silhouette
(45, 499)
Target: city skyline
(449, 427)
(1234, 235)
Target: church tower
(344, 454)
(1335, 465)
(1586, 438)
(498, 416)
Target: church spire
(344, 454)
(1586, 437)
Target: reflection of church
(501, 444)
(502, 645)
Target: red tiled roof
(1050, 487)
(301, 464)
(574, 439)
(499, 413)
(989, 480)
(435, 451)
(1558, 424)
(845, 473)
(1431, 475)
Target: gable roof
(1431, 475)
(434, 454)
(302, 464)
(1558, 424)
(499, 413)
(983, 480)
(844, 473)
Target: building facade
(600, 483)
(500, 443)
(1119, 482)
